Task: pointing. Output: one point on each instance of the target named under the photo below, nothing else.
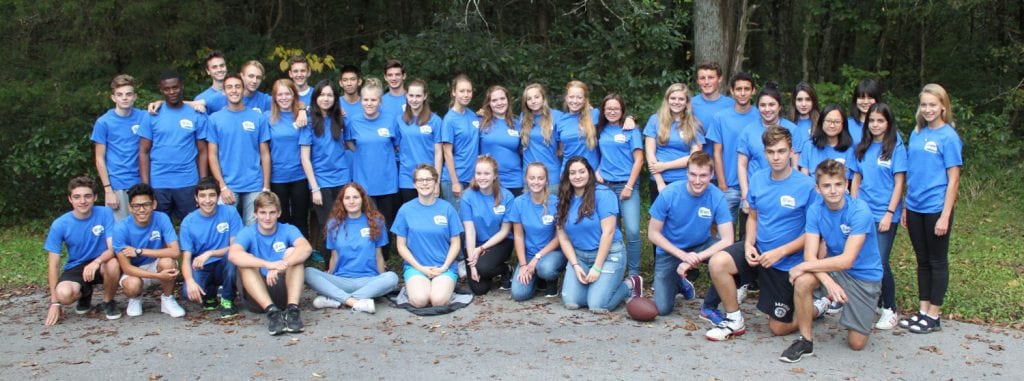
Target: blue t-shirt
(390, 105)
(157, 235)
(617, 147)
(271, 247)
(119, 135)
(215, 100)
(585, 233)
(238, 135)
(705, 110)
(835, 226)
(781, 210)
(751, 144)
(812, 156)
(878, 177)
(307, 97)
(86, 239)
(428, 230)
(538, 225)
(357, 250)
(373, 160)
(502, 143)
(539, 151)
(676, 147)
(327, 156)
(351, 108)
(725, 130)
(687, 218)
(415, 146)
(574, 144)
(930, 153)
(174, 133)
(200, 233)
(285, 161)
(487, 217)
(856, 129)
(258, 101)
(463, 132)
(804, 125)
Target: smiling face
(299, 73)
(207, 201)
(536, 179)
(697, 179)
(769, 108)
(534, 100)
(82, 199)
(833, 124)
(498, 102)
(803, 104)
(930, 108)
(283, 97)
(677, 102)
(233, 89)
(878, 125)
(574, 99)
(484, 175)
(266, 218)
(708, 80)
(216, 68)
(425, 183)
(864, 102)
(612, 111)
(395, 78)
(371, 102)
(578, 176)
(415, 97)
(253, 77)
(352, 201)
(141, 207)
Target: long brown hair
(495, 185)
(487, 116)
(423, 117)
(565, 192)
(339, 214)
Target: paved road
(493, 338)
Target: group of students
(517, 199)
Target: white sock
(734, 316)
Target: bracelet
(314, 190)
(223, 188)
(54, 304)
(575, 264)
(595, 268)
(627, 187)
(107, 186)
(893, 212)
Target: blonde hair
(947, 113)
(545, 191)
(587, 129)
(495, 185)
(372, 84)
(688, 124)
(546, 122)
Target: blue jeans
(885, 240)
(629, 214)
(548, 268)
(245, 203)
(341, 289)
(447, 195)
(220, 273)
(666, 279)
(607, 292)
(732, 197)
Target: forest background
(59, 57)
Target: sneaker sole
(707, 319)
(789, 360)
(728, 337)
(82, 312)
(229, 316)
(278, 333)
(113, 317)
(290, 330)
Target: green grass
(986, 269)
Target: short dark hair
(741, 76)
(208, 183)
(350, 69)
(235, 76)
(393, 63)
(710, 65)
(141, 189)
(212, 55)
(169, 74)
(82, 181)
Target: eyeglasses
(832, 122)
(143, 206)
(425, 180)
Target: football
(642, 309)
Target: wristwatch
(138, 252)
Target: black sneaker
(797, 351)
(85, 301)
(292, 320)
(275, 318)
(210, 304)
(227, 309)
(542, 284)
(506, 279)
(552, 289)
(110, 309)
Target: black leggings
(932, 255)
(295, 201)
(387, 205)
(490, 265)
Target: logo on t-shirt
(248, 126)
(681, 135)
(440, 220)
(787, 201)
(841, 160)
(476, 124)
(932, 147)
(426, 129)
(884, 163)
(279, 247)
(186, 124)
(135, 129)
(364, 232)
(619, 138)
(547, 219)
(154, 235)
(383, 132)
(500, 209)
(704, 212)
(513, 133)
(223, 227)
(846, 229)
(97, 230)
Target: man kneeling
(851, 270)
(269, 256)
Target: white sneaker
(325, 302)
(888, 319)
(365, 305)
(169, 305)
(821, 306)
(726, 330)
(741, 294)
(134, 306)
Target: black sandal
(926, 324)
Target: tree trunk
(741, 35)
(711, 30)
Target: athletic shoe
(887, 320)
(797, 351)
(636, 286)
(821, 307)
(834, 308)
(461, 268)
(292, 320)
(741, 294)
(84, 304)
(209, 304)
(551, 289)
(686, 287)
(364, 305)
(912, 320)
(926, 324)
(110, 309)
(506, 279)
(170, 306)
(726, 329)
(275, 320)
(541, 284)
(712, 315)
(134, 306)
(324, 302)
(227, 309)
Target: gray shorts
(859, 311)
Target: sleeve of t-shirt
(347, 133)
(659, 209)
(713, 129)
(202, 124)
(899, 159)
(55, 237)
(862, 220)
(400, 226)
(186, 237)
(210, 132)
(166, 228)
(721, 210)
(466, 207)
(306, 135)
(292, 234)
(120, 236)
(606, 204)
(752, 194)
(398, 130)
(447, 130)
(264, 128)
(453, 229)
(651, 128)
(146, 128)
(743, 147)
(99, 132)
(700, 138)
(852, 164)
(513, 214)
(805, 161)
(435, 128)
(382, 238)
(637, 140)
(245, 239)
(234, 223)
(952, 149)
(811, 226)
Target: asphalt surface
(493, 338)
